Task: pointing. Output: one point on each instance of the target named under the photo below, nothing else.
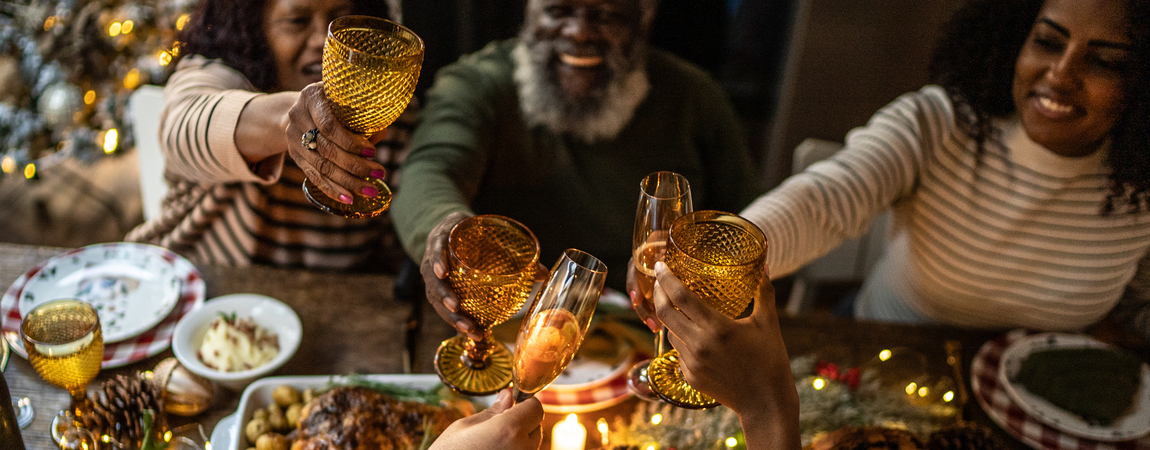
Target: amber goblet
(370, 67)
(492, 265)
(720, 257)
(65, 346)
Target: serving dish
(265, 311)
(228, 433)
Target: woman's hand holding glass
(342, 161)
(742, 363)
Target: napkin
(1097, 384)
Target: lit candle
(568, 434)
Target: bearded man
(556, 129)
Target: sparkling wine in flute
(553, 336)
(557, 321)
(650, 253)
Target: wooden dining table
(353, 323)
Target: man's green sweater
(474, 152)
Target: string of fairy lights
(70, 67)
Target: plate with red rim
(157, 335)
(597, 377)
(1134, 424)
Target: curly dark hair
(232, 30)
(974, 61)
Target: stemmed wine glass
(663, 197)
(370, 67)
(492, 261)
(557, 321)
(720, 257)
(65, 346)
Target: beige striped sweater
(220, 210)
(1011, 237)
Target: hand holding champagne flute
(65, 346)
(557, 321)
(663, 197)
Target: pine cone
(119, 411)
(964, 437)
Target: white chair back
(144, 107)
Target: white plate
(132, 286)
(228, 434)
(1134, 424)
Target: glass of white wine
(663, 197)
(65, 346)
(557, 321)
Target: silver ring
(308, 140)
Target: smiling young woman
(1019, 182)
(1070, 70)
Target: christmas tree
(69, 67)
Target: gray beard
(600, 115)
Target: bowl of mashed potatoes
(236, 339)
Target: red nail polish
(345, 198)
(370, 192)
(368, 152)
(377, 174)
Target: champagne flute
(492, 264)
(557, 321)
(720, 257)
(663, 197)
(66, 347)
(370, 67)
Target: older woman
(246, 89)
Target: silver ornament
(59, 104)
(185, 393)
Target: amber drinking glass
(720, 257)
(66, 347)
(370, 67)
(663, 197)
(557, 321)
(492, 264)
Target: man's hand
(500, 427)
(434, 270)
(742, 363)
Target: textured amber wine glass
(370, 67)
(492, 264)
(720, 257)
(663, 197)
(557, 321)
(66, 347)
